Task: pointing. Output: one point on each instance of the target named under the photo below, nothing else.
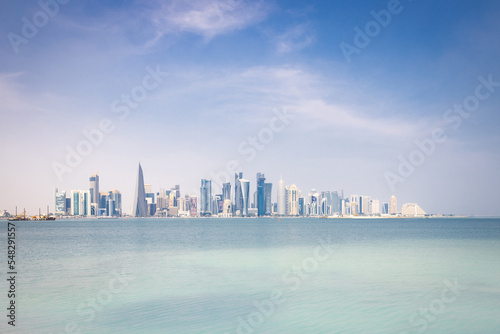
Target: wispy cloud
(348, 121)
(294, 39)
(249, 95)
(207, 18)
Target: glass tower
(261, 201)
(238, 195)
(94, 193)
(245, 192)
(206, 197)
(140, 207)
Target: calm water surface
(256, 276)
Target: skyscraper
(150, 200)
(268, 187)
(364, 207)
(60, 202)
(375, 207)
(94, 193)
(116, 197)
(206, 197)
(281, 197)
(393, 207)
(314, 203)
(238, 196)
(261, 201)
(193, 206)
(293, 200)
(80, 202)
(335, 203)
(140, 206)
(226, 191)
(301, 206)
(245, 192)
(218, 204)
(177, 191)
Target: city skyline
(289, 201)
(373, 97)
(90, 205)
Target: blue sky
(233, 64)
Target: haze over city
(375, 98)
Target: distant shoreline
(275, 218)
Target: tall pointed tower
(281, 198)
(140, 207)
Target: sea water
(303, 275)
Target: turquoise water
(256, 276)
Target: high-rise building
(140, 205)
(177, 191)
(172, 201)
(238, 195)
(206, 197)
(301, 206)
(94, 193)
(80, 202)
(281, 198)
(150, 200)
(393, 207)
(226, 191)
(261, 200)
(193, 206)
(325, 203)
(182, 204)
(364, 206)
(314, 205)
(60, 202)
(354, 204)
(103, 204)
(115, 206)
(218, 204)
(68, 205)
(161, 200)
(335, 203)
(287, 207)
(245, 192)
(345, 206)
(293, 200)
(375, 207)
(385, 208)
(268, 188)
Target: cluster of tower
(240, 203)
(90, 202)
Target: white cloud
(250, 94)
(328, 115)
(207, 18)
(294, 39)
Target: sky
(373, 97)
